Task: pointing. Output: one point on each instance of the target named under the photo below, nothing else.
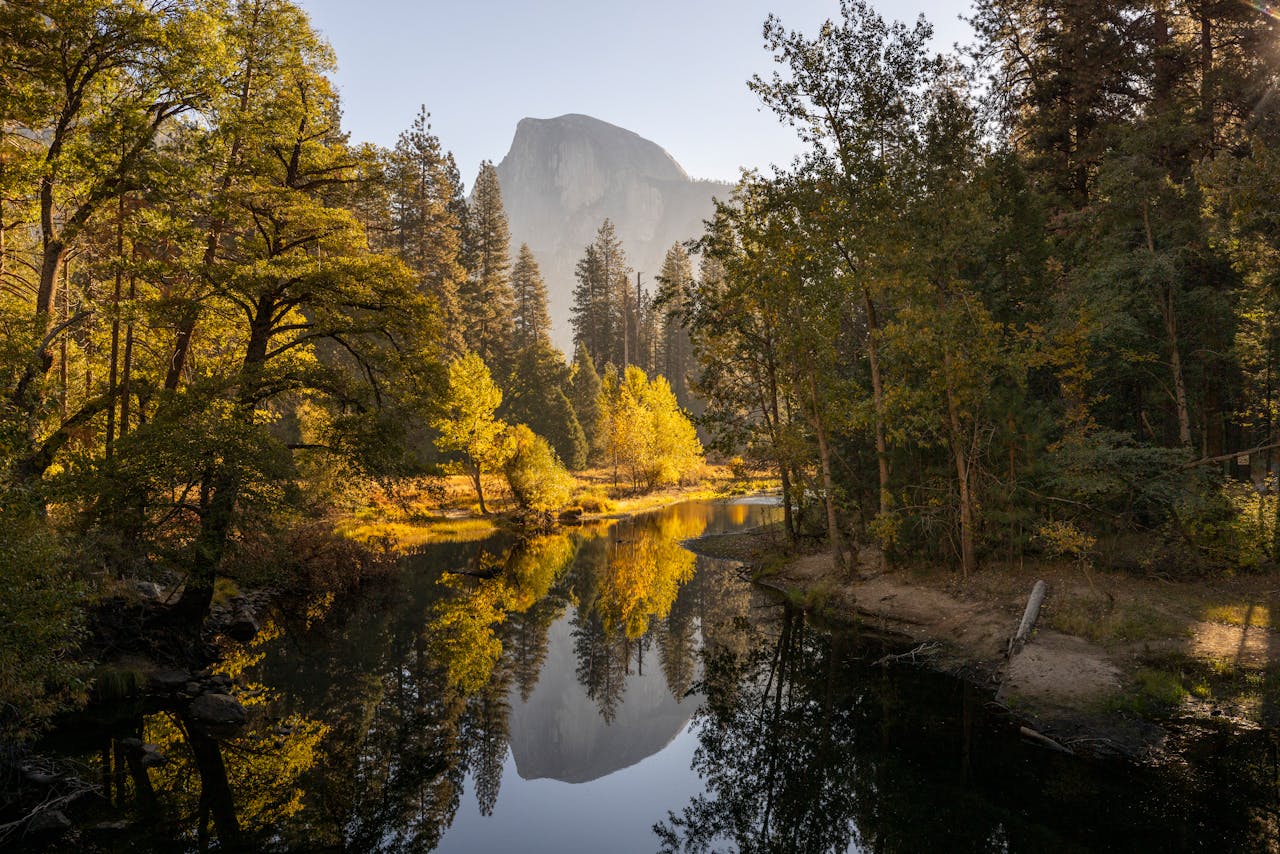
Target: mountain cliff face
(562, 177)
(559, 733)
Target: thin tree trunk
(968, 561)
(63, 377)
(828, 483)
(788, 522)
(126, 370)
(877, 396)
(475, 478)
(1168, 313)
(113, 372)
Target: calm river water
(603, 690)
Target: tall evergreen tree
(584, 393)
(675, 293)
(601, 297)
(426, 230)
(538, 383)
(1064, 72)
(488, 303)
(532, 320)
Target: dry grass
(407, 536)
(414, 511)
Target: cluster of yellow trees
(641, 431)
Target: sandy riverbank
(1114, 658)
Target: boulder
(170, 680)
(152, 757)
(217, 710)
(149, 591)
(243, 626)
(50, 821)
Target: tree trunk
(877, 396)
(1168, 313)
(788, 522)
(475, 478)
(223, 490)
(113, 373)
(187, 322)
(960, 451)
(828, 484)
(126, 369)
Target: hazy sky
(674, 71)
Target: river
(603, 689)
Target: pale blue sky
(674, 71)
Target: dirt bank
(1115, 658)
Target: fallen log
(1029, 617)
(1042, 739)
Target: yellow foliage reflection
(463, 628)
(646, 570)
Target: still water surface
(604, 690)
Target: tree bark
(475, 478)
(960, 452)
(1168, 313)
(828, 483)
(877, 397)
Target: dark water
(605, 691)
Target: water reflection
(803, 747)
(449, 707)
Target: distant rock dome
(562, 177)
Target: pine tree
(488, 304)
(426, 230)
(538, 381)
(532, 320)
(584, 394)
(675, 290)
(1065, 73)
(601, 298)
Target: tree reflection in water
(368, 717)
(412, 720)
(803, 747)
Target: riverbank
(411, 512)
(1114, 659)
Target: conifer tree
(532, 320)
(601, 298)
(675, 291)
(584, 393)
(538, 381)
(488, 304)
(426, 230)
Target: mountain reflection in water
(602, 689)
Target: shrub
(535, 474)
(41, 625)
